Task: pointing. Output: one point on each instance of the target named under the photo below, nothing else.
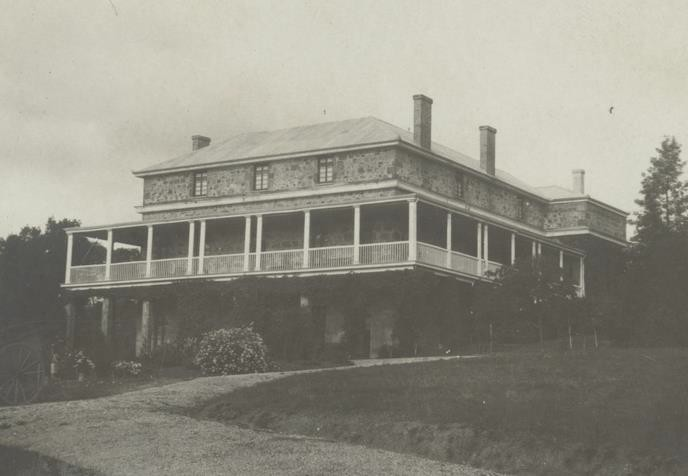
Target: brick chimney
(198, 142)
(579, 181)
(487, 149)
(422, 121)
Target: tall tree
(664, 200)
(31, 270)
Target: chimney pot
(422, 121)
(487, 148)
(579, 181)
(198, 142)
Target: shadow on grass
(19, 461)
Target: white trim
(372, 268)
(585, 231)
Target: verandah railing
(283, 260)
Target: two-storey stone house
(353, 196)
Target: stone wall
(443, 179)
(370, 166)
(585, 214)
(289, 174)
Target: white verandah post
(357, 234)
(480, 248)
(201, 247)
(306, 237)
(149, 250)
(486, 248)
(513, 248)
(189, 258)
(412, 229)
(247, 242)
(108, 255)
(449, 239)
(561, 265)
(68, 265)
(582, 276)
(259, 239)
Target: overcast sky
(91, 90)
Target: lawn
(616, 411)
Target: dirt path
(135, 433)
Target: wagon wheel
(20, 374)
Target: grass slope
(611, 412)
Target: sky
(91, 90)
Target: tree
(32, 265)
(531, 292)
(664, 200)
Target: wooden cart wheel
(21, 374)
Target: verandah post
(149, 251)
(412, 229)
(189, 258)
(108, 255)
(201, 247)
(357, 234)
(480, 249)
(68, 264)
(306, 237)
(513, 248)
(449, 239)
(247, 242)
(259, 239)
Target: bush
(127, 368)
(69, 364)
(173, 354)
(232, 351)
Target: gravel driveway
(136, 433)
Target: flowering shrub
(71, 363)
(232, 351)
(127, 368)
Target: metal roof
(328, 136)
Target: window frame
(200, 184)
(520, 208)
(460, 185)
(261, 177)
(326, 165)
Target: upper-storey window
(460, 185)
(260, 177)
(200, 184)
(326, 170)
(520, 208)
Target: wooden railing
(384, 253)
(331, 257)
(284, 261)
